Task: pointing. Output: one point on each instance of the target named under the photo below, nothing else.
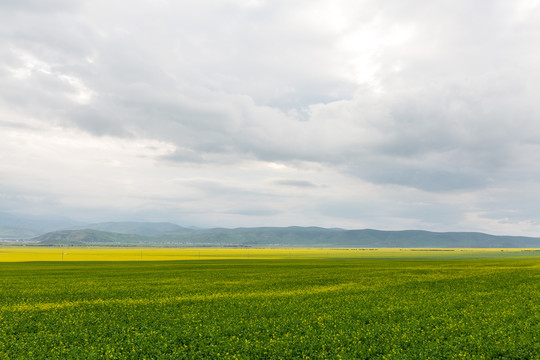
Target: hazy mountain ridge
(137, 228)
(89, 237)
(290, 237)
(60, 231)
(22, 226)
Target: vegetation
(277, 237)
(272, 309)
(89, 237)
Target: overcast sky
(394, 114)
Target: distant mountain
(137, 228)
(89, 237)
(18, 232)
(261, 236)
(24, 226)
(290, 237)
(423, 239)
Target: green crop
(271, 309)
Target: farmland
(269, 304)
(35, 253)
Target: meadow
(269, 304)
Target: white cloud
(420, 103)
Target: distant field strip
(23, 254)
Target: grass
(438, 306)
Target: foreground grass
(272, 309)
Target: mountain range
(62, 232)
(284, 237)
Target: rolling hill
(89, 237)
(288, 237)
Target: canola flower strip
(34, 253)
(272, 309)
(165, 300)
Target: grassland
(370, 304)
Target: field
(271, 304)
(35, 253)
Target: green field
(272, 309)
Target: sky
(389, 114)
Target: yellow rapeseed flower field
(30, 253)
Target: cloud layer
(402, 114)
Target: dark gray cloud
(428, 179)
(295, 183)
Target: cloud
(36, 6)
(295, 183)
(438, 99)
(254, 211)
